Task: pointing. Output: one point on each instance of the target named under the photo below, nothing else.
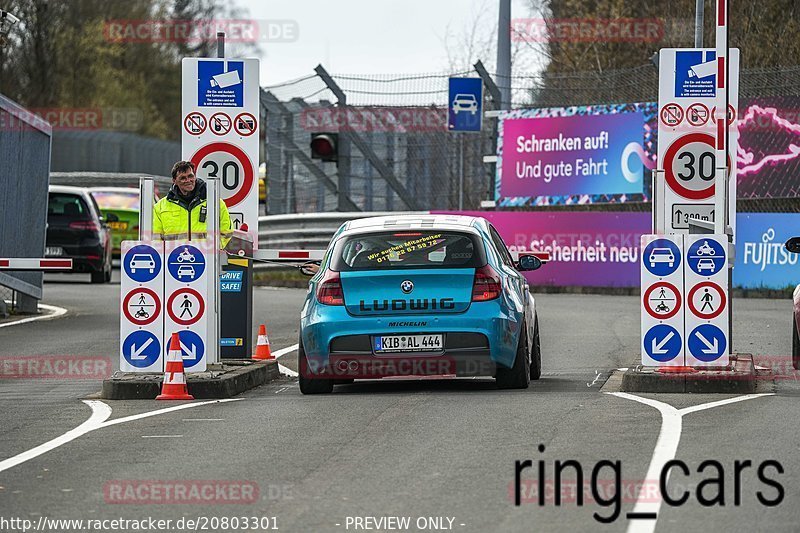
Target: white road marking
(55, 312)
(666, 448)
(288, 371)
(284, 351)
(97, 420)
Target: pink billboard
(587, 249)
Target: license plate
(409, 343)
(53, 250)
(118, 226)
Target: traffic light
(325, 146)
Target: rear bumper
(475, 342)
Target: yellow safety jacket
(174, 219)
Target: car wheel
(795, 344)
(99, 277)
(107, 275)
(519, 375)
(536, 352)
(309, 384)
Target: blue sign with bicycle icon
(186, 263)
(706, 257)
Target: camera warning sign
(220, 83)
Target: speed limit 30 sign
(686, 148)
(227, 149)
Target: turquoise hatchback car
(419, 295)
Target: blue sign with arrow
(465, 104)
(707, 343)
(706, 257)
(186, 263)
(661, 257)
(141, 349)
(663, 343)
(192, 348)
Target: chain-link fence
(395, 150)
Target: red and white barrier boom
(27, 263)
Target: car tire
(519, 375)
(309, 385)
(536, 352)
(795, 344)
(99, 277)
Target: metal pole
(698, 23)
(504, 53)
(460, 171)
(146, 201)
(220, 44)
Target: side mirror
(528, 263)
(111, 217)
(793, 245)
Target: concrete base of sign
(737, 378)
(219, 381)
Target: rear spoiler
(544, 257)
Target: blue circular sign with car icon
(661, 257)
(186, 263)
(142, 263)
(706, 257)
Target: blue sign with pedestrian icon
(465, 104)
(662, 343)
(142, 263)
(661, 257)
(706, 257)
(141, 349)
(192, 348)
(707, 343)
(186, 263)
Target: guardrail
(308, 231)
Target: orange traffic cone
(262, 345)
(174, 387)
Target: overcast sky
(368, 36)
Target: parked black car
(76, 229)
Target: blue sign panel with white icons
(142, 263)
(192, 348)
(707, 343)
(141, 349)
(662, 257)
(706, 257)
(663, 343)
(465, 104)
(186, 263)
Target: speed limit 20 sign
(686, 145)
(214, 90)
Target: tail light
(329, 291)
(85, 224)
(487, 284)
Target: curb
(235, 377)
(739, 378)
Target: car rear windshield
(67, 205)
(388, 250)
(117, 199)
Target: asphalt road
(439, 452)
